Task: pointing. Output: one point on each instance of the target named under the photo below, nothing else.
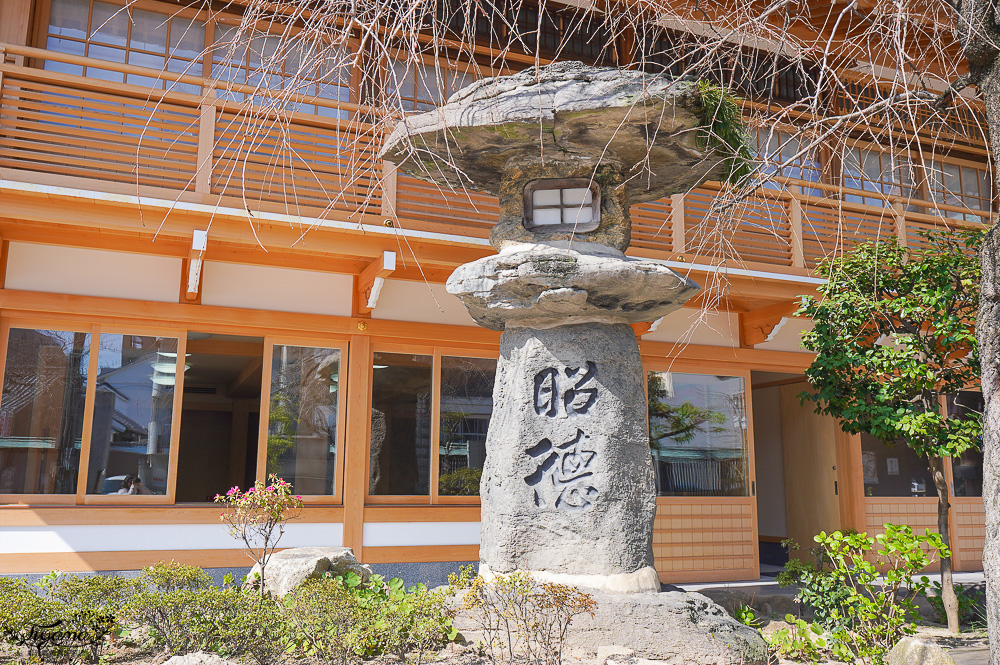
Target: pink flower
(298, 497)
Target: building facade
(175, 320)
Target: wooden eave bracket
(371, 280)
(199, 243)
(761, 325)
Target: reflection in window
(698, 434)
(421, 87)
(302, 426)
(133, 412)
(401, 424)
(894, 470)
(962, 186)
(775, 148)
(881, 173)
(41, 411)
(967, 469)
(116, 33)
(276, 62)
(466, 407)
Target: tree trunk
(988, 334)
(948, 597)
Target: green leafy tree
(894, 334)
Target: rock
(606, 652)
(567, 489)
(289, 568)
(911, 651)
(199, 658)
(538, 285)
(640, 123)
(674, 628)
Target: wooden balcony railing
(106, 136)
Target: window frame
(657, 364)
(436, 352)
(333, 342)
(560, 185)
(212, 21)
(95, 330)
(427, 60)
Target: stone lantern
(567, 490)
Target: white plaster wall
(92, 272)
(769, 463)
(789, 336)
(420, 302)
(398, 534)
(279, 289)
(133, 537)
(692, 326)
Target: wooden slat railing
(196, 147)
(111, 136)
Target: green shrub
(323, 615)
(254, 627)
(877, 573)
(800, 641)
(463, 578)
(819, 587)
(173, 576)
(340, 618)
(182, 609)
(53, 624)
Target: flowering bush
(257, 517)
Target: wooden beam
(757, 326)
(359, 370)
(225, 347)
(370, 281)
(246, 375)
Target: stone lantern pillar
(568, 489)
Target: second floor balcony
(90, 124)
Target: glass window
(421, 87)
(894, 470)
(302, 425)
(962, 186)
(274, 62)
(116, 33)
(775, 148)
(133, 415)
(41, 411)
(881, 173)
(698, 434)
(466, 407)
(967, 469)
(401, 424)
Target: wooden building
(218, 361)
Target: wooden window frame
(211, 20)
(682, 367)
(319, 342)
(436, 352)
(442, 62)
(175, 424)
(95, 330)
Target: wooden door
(812, 485)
